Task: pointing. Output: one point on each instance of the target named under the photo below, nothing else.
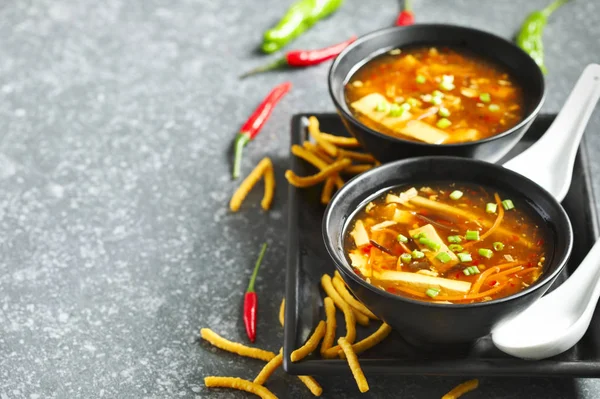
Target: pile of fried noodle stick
(328, 153)
(339, 297)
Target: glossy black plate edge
(504, 367)
(591, 210)
(292, 259)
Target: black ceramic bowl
(498, 50)
(424, 322)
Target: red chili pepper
(406, 17)
(256, 121)
(251, 300)
(303, 58)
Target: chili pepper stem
(256, 267)
(278, 63)
(407, 5)
(238, 148)
(553, 6)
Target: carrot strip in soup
(496, 223)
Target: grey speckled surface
(117, 246)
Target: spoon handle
(555, 151)
(584, 283)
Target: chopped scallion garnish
(402, 238)
(417, 254)
(443, 112)
(405, 258)
(491, 207)
(412, 101)
(498, 246)
(406, 106)
(454, 239)
(419, 235)
(443, 257)
(464, 257)
(427, 98)
(486, 253)
(485, 97)
(382, 107)
(437, 93)
(448, 78)
(446, 86)
(471, 270)
(396, 111)
(455, 247)
(494, 107)
(436, 100)
(456, 194)
(508, 204)
(429, 243)
(432, 292)
(472, 235)
(443, 123)
(421, 79)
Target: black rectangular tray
(307, 261)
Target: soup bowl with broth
(444, 248)
(436, 90)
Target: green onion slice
(432, 292)
(486, 253)
(444, 112)
(454, 239)
(443, 123)
(491, 207)
(472, 235)
(396, 110)
(455, 247)
(456, 194)
(498, 246)
(443, 257)
(413, 102)
(417, 254)
(485, 97)
(508, 204)
(429, 243)
(405, 258)
(436, 100)
(464, 257)
(402, 238)
(471, 270)
(382, 107)
(446, 86)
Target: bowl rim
(345, 268)
(380, 32)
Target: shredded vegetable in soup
(434, 95)
(447, 243)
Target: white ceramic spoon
(558, 320)
(549, 162)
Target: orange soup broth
(523, 238)
(395, 76)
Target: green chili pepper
(530, 35)
(298, 18)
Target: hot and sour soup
(434, 95)
(447, 243)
